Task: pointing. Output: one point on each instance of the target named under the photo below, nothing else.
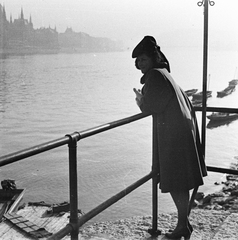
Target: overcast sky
(130, 20)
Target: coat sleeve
(157, 92)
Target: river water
(44, 97)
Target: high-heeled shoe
(186, 233)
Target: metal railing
(223, 110)
(71, 139)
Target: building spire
(4, 13)
(30, 22)
(22, 15)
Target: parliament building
(19, 36)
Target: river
(44, 97)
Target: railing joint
(73, 137)
(73, 226)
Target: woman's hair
(156, 58)
(149, 47)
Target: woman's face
(145, 63)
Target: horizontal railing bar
(107, 126)
(83, 219)
(218, 109)
(62, 232)
(16, 156)
(222, 170)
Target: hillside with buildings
(19, 36)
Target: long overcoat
(180, 158)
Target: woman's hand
(138, 96)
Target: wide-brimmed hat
(148, 45)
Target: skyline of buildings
(20, 36)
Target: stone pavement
(227, 230)
(207, 224)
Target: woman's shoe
(186, 233)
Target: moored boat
(227, 91)
(197, 103)
(233, 82)
(190, 92)
(198, 96)
(222, 116)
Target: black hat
(148, 45)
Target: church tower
(22, 15)
(3, 27)
(2, 13)
(30, 22)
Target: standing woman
(181, 161)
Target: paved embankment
(207, 225)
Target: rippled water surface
(44, 97)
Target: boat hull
(191, 92)
(223, 117)
(198, 96)
(227, 91)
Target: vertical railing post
(73, 184)
(205, 3)
(205, 61)
(155, 169)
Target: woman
(181, 162)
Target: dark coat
(181, 162)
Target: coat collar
(160, 66)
